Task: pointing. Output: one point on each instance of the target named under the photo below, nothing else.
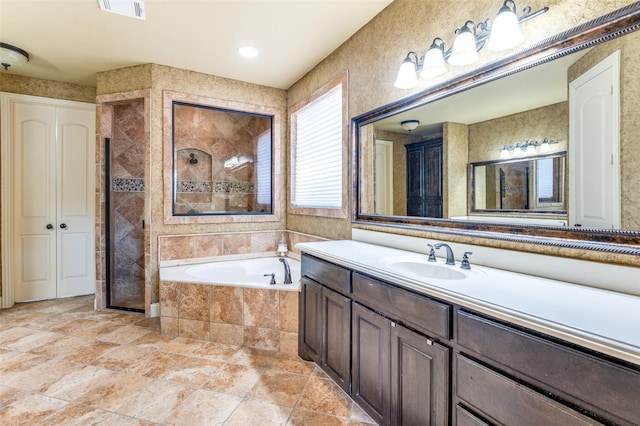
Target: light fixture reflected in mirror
(410, 125)
(505, 31)
(529, 147)
(12, 56)
(471, 38)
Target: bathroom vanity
(479, 347)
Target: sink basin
(422, 268)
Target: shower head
(193, 159)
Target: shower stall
(125, 207)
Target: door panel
(76, 195)
(34, 201)
(371, 364)
(336, 337)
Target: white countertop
(601, 320)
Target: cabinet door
(371, 363)
(336, 337)
(310, 325)
(419, 379)
(433, 180)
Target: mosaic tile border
(217, 187)
(127, 185)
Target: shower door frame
(102, 214)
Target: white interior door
(52, 198)
(75, 202)
(34, 204)
(594, 199)
(384, 177)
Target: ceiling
(72, 40)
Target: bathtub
(238, 272)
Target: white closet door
(34, 201)
(52, 197)
(75, 201)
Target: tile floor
(61, 362)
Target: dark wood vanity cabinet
(361, 338)
(324, 333)
(512, 375)
(409, 359)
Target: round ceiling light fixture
(12, 56)
(248, 51)
(410, 125)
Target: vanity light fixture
(505, 153)
(434, 64)
(410, 125)
(464, 50)
(529, 147)
(504, 34)
(12, 56)
(407, 74)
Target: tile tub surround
(63, 363)
(199, 248)
(256, 318)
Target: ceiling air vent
(131, 8)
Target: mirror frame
(168, 97)
(608, 27)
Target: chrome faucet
(287, 270)
(451, 260)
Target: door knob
(63, 225)
(49, 226)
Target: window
(264, 168)
(318, 153)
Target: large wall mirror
(519, 116)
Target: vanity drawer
(611, 388)
(327, 274)
(508, 402)
(465, 418)
(414, 310)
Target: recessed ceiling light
(248, 51)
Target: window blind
(318, 153)
(264, 168)
(545, 178)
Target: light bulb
(406, 75)
(464, 51)
(434, 64)
(505, 31)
